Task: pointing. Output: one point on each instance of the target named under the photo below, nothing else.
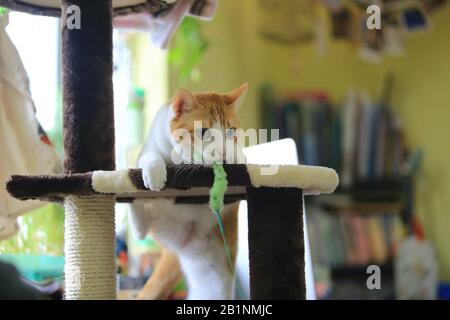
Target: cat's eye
(203, 133)
(230, 133)
(206, 134)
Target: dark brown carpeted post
(87, 88)
(88, 145)
(276, 247)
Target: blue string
(228, 253)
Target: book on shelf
(361, 139)
(351, 239)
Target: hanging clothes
(164, 17)
(24, 147)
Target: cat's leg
(208, 272)
(154, 171)
(154, 176)
(163, 279)
(208, 276)
(139, 218)
(147, 214)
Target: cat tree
(90, 187)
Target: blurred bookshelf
(362, 223)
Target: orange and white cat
(189, 232)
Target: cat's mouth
(186, 154)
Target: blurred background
(372, 104)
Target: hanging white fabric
(24, 147)
(162, 28)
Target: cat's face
(206, 128)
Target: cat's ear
(237, 96)
(182, 101)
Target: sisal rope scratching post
(89, 145)
(89, 240)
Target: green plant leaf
(187, 49)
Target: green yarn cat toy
(216, 203)
(217, 192)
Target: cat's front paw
(154, 176)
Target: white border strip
(112, 182)
(313, 180)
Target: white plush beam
(112, 182)
(313, 180)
